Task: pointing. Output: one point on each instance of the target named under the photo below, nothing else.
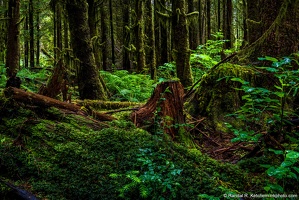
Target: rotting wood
(165, 107)
(100, 104)
(45, 102)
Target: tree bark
(164, 110)
(45, 102)
(31, 33)
(140, 49)
(193, 28)
(152, 44)
(280, 36)
(180, 40)
(90, 86)
(13, 39)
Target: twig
(207, 137)
(226, 149)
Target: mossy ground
(59, 156)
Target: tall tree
(152, 44)
(92, 21)
(279, 20)
(140, 37)
(126, 35)
(31, 30)
(104, 36)
(180, 40)
(112, 33)
(90, 86)
(227, 23)
(13, 39)
(3, 30)
(193, 28)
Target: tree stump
(164, 109)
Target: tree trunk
(140, 50)
(280, 36)
(112, 33)
(90, 86)
(180, 40)
(104, 33)
(164, 110)
(93, 30)
(126, 35)
(45, 102)
(37, 39)
(193, 28)
(208, 19)
(227, 23)
(26, 43)
(152, 39)
(13, 39)
(31, 33)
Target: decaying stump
(165, 107)
(45, 102)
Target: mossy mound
(217, 96)
(60, 156)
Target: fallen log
(100, 104)
(164, 109)
(45, 102)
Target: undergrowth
(58, 156)
(124, 86)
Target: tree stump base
(164, 110)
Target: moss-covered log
(45, 102)
(106, 105)
(165, 108)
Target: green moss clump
(58, 156)
(216, 95)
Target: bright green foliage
(3, 78)
(155, 180)
(286, 174)
(32, 80)
(166, 72)
(266, 110)
(264, 107)
(208, 54)
(128, 87)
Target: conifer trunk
(90, 86)
(280, 31)
(13, 39)
(180, 40)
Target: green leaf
(239, 80)
(286, 163)
(272, 69)
(296, 169)
(292, 154)
(277, 152)
(269, 58)
(279, 94)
